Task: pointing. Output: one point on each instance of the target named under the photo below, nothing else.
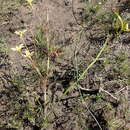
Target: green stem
(120, 19)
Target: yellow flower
(100, 3)
(127, 27)
(29, 2)
(18, 48)
(20, 33)
(28, 54)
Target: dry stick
(102, 90)
(48, 66)
(91, 114)
(121, 90)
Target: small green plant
(119, 23)
(91, 12)
(30, 2)
(3, 46)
